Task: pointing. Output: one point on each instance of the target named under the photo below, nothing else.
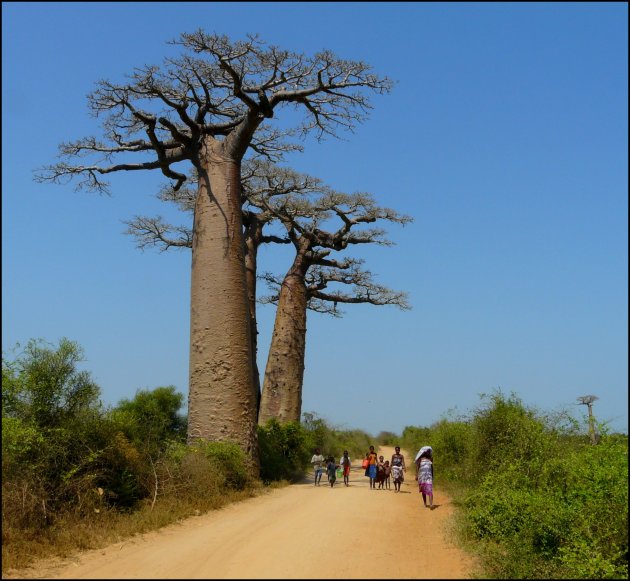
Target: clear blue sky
(505, 137)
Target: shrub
(44, 387)
(151, 418)
(284, 450)
(229, 461)
(541, 501)
(332, 442)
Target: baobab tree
(284, 373)
(207, 108)
(306, 285)
(260, 179)
(302, 203)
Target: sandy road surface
(298, 532)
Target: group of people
(318, 461)
(380, 471)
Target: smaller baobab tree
(315, 281)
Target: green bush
(229, 460)
(44, 387)
(284, 451)
(51, 432)
(200, 471)
(332, 441)
(151, 418)
(539, 500)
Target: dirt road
(298, 532)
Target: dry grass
(71, 534)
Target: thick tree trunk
(282, 387)
(222, 398)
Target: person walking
(331, 470)
(398, 468)
(345, 462)
(371, 469)
(388, 471)
(380, 471)
(424, 474)
(318, 465)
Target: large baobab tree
(260, 180)
(307, 285)
(302, 204)
(207, 107)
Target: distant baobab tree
(588, 400)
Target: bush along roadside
(536, 498)
(77, 475)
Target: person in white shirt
(318, 464)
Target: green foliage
(138, 432)
(62, 452)
(506, 431)
(20, 442)
(284, 450)
(413, 438)
(332, 442)
(451, 440)
(539, 500)
(229, 459)
(11, 389)
(44, 387)
(151, 418)
(319, 432)
(50, 441)
(387, 439)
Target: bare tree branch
(305, 222)
(259, 179)
(154, 232)
(216, 88)
(362, 288)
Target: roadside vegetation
(78, 475)
(537, 500)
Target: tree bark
(222, 398)
(282, 387)
(252, 241)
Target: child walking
(345, 462)
(331, 469)
(388, 471)
(317, 460)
